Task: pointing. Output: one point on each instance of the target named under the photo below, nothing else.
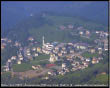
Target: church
(46, 47)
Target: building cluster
(72, 52)
(103, 40)
(63, 27)
(4, 42)
(69, 55)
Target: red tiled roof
(50, 65)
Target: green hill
(100, 79)
(37, 26)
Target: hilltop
(49, 25)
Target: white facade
(13, 58)
(47, 47)
(63, 65)
(19, 62)
(53, 58)
(21, 58)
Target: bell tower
(43, 40)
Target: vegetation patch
(21, 67)
(89, 55)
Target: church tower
(43, 41)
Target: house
(66, 69)
(50, 73)
(105, 44)
(47, 47)
(92, 50)
(71, 44)
(83, 67)
(86, 64)
(95, 60)
(59, 54)
(97, 32)
(69, 56)
(71, 51)
(45, 78)
(17, 44)
(38, 49)
(63, 48)
(63, 65)
(13, 58)
(35, 54)
(62, 51)
(6, 69)
(87, 32)
(74, 69)
(80, 28)
(2, 46)
(81, 33)
(46, 51)
(77, 63)
(9, 41)
(33, 49)
(103, 73)
(100, 50)
(56, 48)
(36, 67)
(21, 49)
(9, 60)
(55, 51)
(81, 46)
(28, 50)
(20, 55)
(21, 58)
(30, 38)
(62, 27)
(73, 64)
(70, 26)
(100, 58)
(4, 39)
(61, 72)
(87, 59)
(53, 58)
(106, 34)
(19, 62)
(28, 54)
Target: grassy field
(58, 20)
(21, 67)
(40, 60)
(51, 34)
(100, 79)
(89, 55)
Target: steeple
(43, 41)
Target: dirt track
(34, 73)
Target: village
(63, 57)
